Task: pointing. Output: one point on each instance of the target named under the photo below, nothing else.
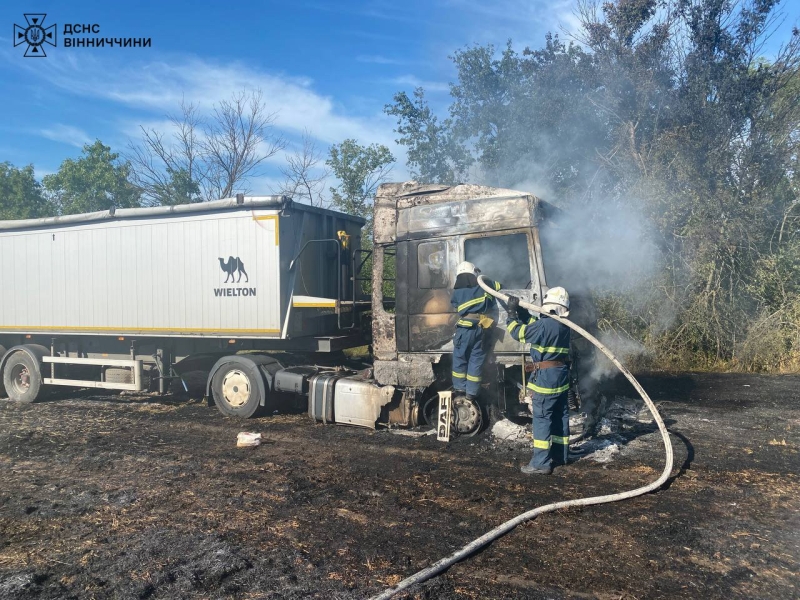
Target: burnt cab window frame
(531, 281)
(425, 278)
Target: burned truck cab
(423, 232)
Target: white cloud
(415, 82)
(378, 59)
(525, 22)
(159, 86)
(155, 89)
(66, 134)
(519, 14)
(376, 9)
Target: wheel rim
(20, 379)
(467, 415)
(236, 388)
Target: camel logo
(233, 267)
(35, 35)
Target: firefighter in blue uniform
(549, 381)
(470, 339)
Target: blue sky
(328, 67)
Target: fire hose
(501, 530)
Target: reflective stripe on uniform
(542, 444)
(474, 378)
(557, 439)
(496, 286)
(544, 390)
(513, 324)
(459, 375)
(521, 334)
(466, 323)
(550, 349)
(472, 302)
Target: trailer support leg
(161, 363)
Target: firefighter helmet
(558, 299)
(467, 267)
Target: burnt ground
(140, 497)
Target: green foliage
(20, 194)
(360, 170)
(434, 156)
(181, 189)
(96, 181)
(665, 109)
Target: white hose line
(500, 530)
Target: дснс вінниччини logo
(35, 35)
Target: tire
(21, 378)
(236, 391)
(2, 389)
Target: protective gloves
(512, 308)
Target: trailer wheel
(2, 354)
(21, 378)
(236, 391)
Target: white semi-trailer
(258, 291)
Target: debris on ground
(412, 432)
(246, 439)
(108, 496)
(623, 420)
(508, 431)
(598, 450)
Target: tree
(237, 140)
(304, 180)
(360, 170)
(434, 156)
(665, 109)
(20, 194)
(205, 158)
(170, 172)
(96, 181)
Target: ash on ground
(624, 420)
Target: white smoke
(623, 347)
(597, 245)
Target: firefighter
(470, 339)
(549, 380)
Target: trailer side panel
(207, 274)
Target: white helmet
(557, 300)
(467, 267)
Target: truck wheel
(2, 389)
(235, 389)
(21, 378)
